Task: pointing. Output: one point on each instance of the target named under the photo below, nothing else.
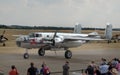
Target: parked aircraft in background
(56, 41)
(3, 39)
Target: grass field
(11, 42)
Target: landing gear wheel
(4, 44)
(26, 56)
(41, 52)
(68, 54)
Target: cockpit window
(38, 35)
(35, 35)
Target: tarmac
(80, 59)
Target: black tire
(68, 54)
(4, 44)
(41, 52)
(26, 56)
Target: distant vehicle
(58, 41)
(3, 39)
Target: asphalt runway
(80, 59)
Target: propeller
(53, 39)
(2, 36)
(5, 38)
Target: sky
(88, 13)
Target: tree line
(48, 27)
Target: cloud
(60, 12)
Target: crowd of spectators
(104, 68)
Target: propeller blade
(55, 34)
(53, 40)
(1, 36)
(3, 32)
(5, 38)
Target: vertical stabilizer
(108, 32)
(77, 28)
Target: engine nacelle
(59, 39)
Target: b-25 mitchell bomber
(55, 41)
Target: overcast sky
(89, 13)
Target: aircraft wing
(82, 38)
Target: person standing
(46, 70)
(32, 70)
(42, 70)
(66, 68)
(89, 70)
(104, 68)
(13, 71)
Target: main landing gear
(4, 44)
(41, 52)
(68, 53)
